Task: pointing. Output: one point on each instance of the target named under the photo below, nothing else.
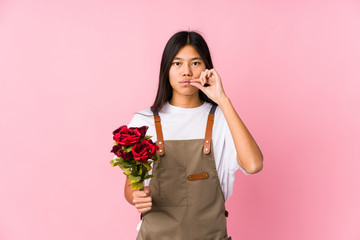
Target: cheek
(197, 72)
(173, 75)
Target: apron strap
(209, 128)
(159, 135)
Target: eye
(197, 63)
(175, 63)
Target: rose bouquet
(135, 152)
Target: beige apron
(188, 203)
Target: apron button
(206, 149)
(159, 142)
(207, 141)
(160, 150)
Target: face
(187, 64)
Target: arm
(248, 152)
(128, 192)
(249, 155)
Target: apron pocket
(172, 187)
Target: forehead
(188, 52)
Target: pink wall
(70, 71)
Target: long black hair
(175, 43)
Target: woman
(202, 142)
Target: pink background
(73, 71)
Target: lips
(185, 81)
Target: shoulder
(143, 117)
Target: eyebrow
(194, 58)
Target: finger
(142, 200)
(214, 72)
(147, 190)
(197, 85)
(201, 78)
(197, 80)
(139, 194)
(143, 205)
(208, 76)
(143, 210)
(207, 71)
(205, 78)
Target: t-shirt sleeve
(135, 121)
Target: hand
(215, 91)
(142, 200)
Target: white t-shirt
(190, 123)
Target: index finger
(195, 80)
(214, 72)
(199, 81)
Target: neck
(186, 101)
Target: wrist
(223, 101)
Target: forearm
(249, 155)
(128, 192)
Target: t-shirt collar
(168, 108)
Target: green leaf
(116, 161)
(112, 163)
(147, 166)
(149, 176)
(124, 168)
(127, 148)
(155, 157)
(126, 164)
(147, 137)
(137, 186)
(140, 170)
(134, 178)
(126, 171)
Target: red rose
(128, 136)
(118, 129)
(142, 130)
(117, 149)
(144, 150)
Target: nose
(187, 70)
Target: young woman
(202, 142)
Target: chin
(186, 90)
(189, 93)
